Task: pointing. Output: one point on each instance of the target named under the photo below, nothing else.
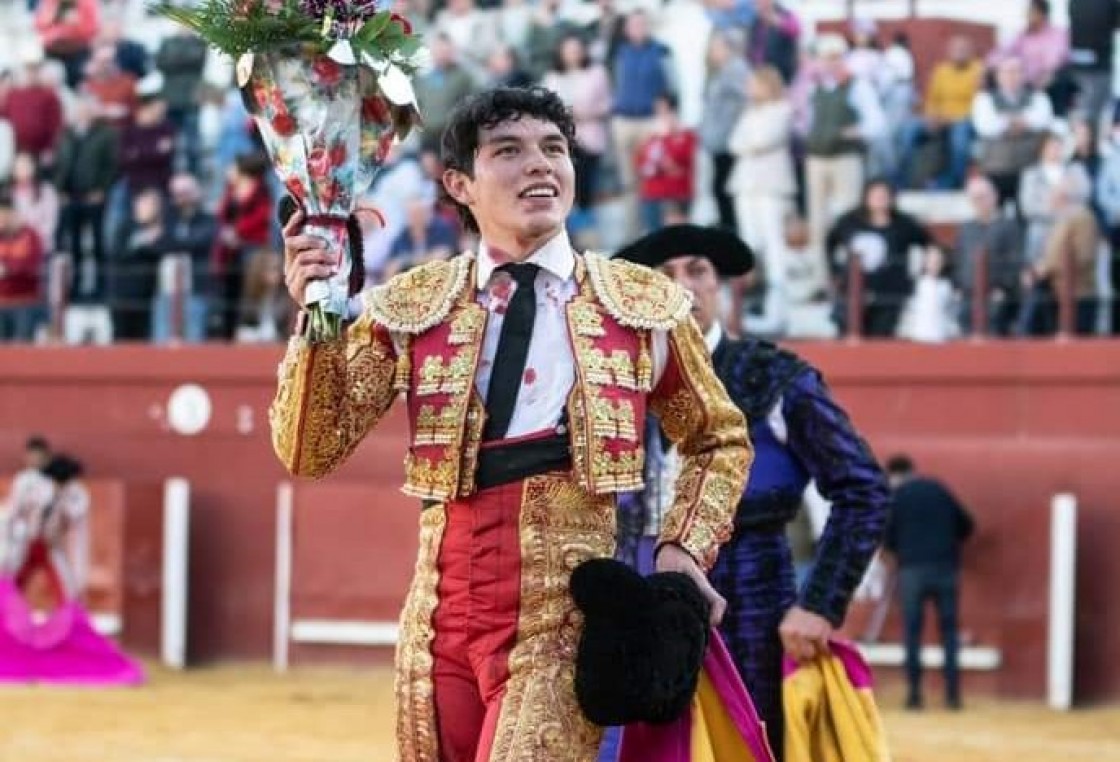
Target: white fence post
(1063, 579)
(282, 600)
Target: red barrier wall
(1006, 425)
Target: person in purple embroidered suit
(800, 434)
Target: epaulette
(414, 301)
(635, 295)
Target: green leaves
(381, 38)
(373, 28)
(236, 27)
(410, 46)
(242, 26)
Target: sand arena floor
(249, 714)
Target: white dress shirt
(550, 367)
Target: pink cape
(64, 649)
(722, 726)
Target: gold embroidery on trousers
(562, 525)
(417, 735)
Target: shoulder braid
(421, 298)
(637, 296)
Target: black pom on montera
(289, 206)
(643, 643)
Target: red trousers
(489, 631)
(476, 619)
(39, 557)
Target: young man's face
(523, 184)
(698, 275)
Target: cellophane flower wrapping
(327, 128)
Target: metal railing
(172, 279)
(1061, 294)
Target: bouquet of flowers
(328, 83)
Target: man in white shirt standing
(528, 370)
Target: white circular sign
(188, 409)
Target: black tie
(513, 350)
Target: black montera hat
(643, 643)
(727, 252)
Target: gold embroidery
(594, 418)
(436, 428)
(580, 438)
(329, 396)
(645, 364)
(618, 472)
(417, 734)
(585, 319)
(450, 471)
(466, 326)
(402, 379)
(427, 480)
(472, 440)
(613, 419)
(421, 298)
(711, 437)
(452, 377)
(615, 369)
(636, 296)
(561, 527)
(431, 376)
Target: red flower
(318, 163)
(402, 21)
(375, 109)
(384, 143)
(338, 155)
(295, 187)
(327, 71)
(530, 376)
(283, 124)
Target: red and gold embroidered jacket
(421, 335)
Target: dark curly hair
(459, 143)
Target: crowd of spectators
(127, 153)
